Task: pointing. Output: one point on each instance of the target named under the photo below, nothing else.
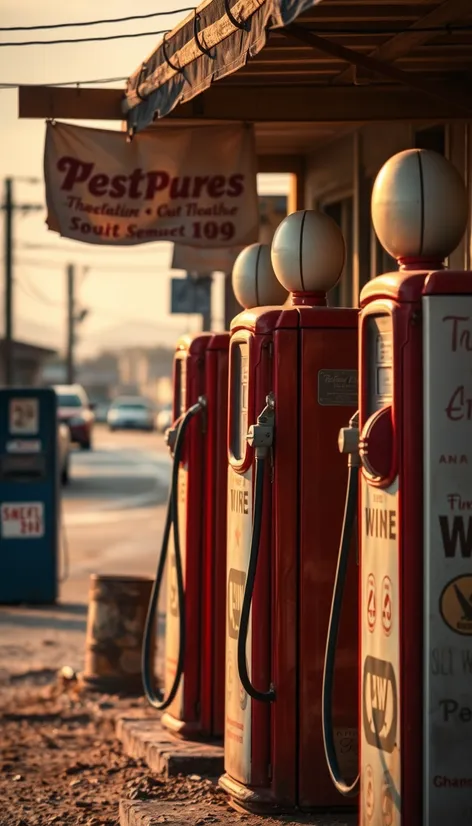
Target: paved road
(112, 521)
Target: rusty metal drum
(115, 627)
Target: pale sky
(118, 286)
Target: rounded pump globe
(254, 280)
(308, 252)
(419, 205)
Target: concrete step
(140, 813)
(147, 740)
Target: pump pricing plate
(22, 520)
(337, 388)
(24, 446)
(23, 417)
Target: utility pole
(8, 341)
(9, 208)
(70, 323)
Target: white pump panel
(447, 385)
(380, 766)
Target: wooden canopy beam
(402, 44)
(260, 104)
(70, 102)
(412, 80)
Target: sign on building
(194, 186)
(191, 295)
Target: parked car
(101, 412)
(63, 435)
(75, 410)
(164, 419)
(131, 412)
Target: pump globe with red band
(253, 278)
(308, 253)
(419, 206)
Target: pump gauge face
(239, 397)
(380, 362)
(183, 386)
(180, 397)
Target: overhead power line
(79, 39)
(85, 249)
(94, 22)
(65, 83)
(132, 268)
(314, 29)
(33, 292)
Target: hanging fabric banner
(195, 186)
(272, 210)
(204, 260)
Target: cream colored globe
(308, 252)
(254, 281)
(419, 205)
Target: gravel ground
(60, 762)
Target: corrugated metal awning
(212, 42)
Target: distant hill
(41, 334)
(139, 334)
(114, 337)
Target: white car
(164, 419)
(131, 413)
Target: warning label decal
(379, 704)
(386, 605)
(371, 603)
(455, 605)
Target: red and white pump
(194, 542)
(293, 379)
(415, 419)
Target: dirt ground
(60, 762)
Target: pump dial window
(379, 367)
(239, 398)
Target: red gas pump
(194, 542)
(416, 482)
(293, 377)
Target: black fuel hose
(262, 696)
(349, 522)
(155, 697)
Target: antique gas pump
(29, 495)
(415, 413)
(194, 542)
(293, 379)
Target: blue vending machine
(29, 496)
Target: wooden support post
(361, 223)
(456, 154)
(296, 194)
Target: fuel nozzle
(348, 441)
(260, 436)
(170, 436)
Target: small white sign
(24, 446)
(22, 520)
(24, 417)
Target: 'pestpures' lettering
(145, 185)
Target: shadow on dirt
(63, 617)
